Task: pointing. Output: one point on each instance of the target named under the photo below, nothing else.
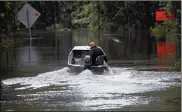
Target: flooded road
(61, 90)
(41, 81)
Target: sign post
(28, 15)
(166, 51)
(30, 33)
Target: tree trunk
(57, 11)
(148, 20)
(52, 14)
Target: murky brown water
(41, 80)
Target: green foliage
(9, 22)
(86, 16)
(171, 30)
(7, 43)
(89, 14)
(177, 65)
(9, 18)
(94, 15)
(80, 16)
(158, 31)
(167, 28)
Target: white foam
(42, 80)
(110, 90)
(117, 80)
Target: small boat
(80, 60)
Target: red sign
(36, 14)
(161, 16)
(164, 48)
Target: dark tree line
(97, 15)
(89, 14)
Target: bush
(177, 65)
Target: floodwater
(39, 79)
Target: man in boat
(95, 52)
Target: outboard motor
(100, 60)
(87, 61)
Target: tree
(167, 28)
(9, 22)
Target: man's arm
(105, 58)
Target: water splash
(107, 91)
(42, 80)
(115, 80)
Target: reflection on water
(86, 91)
(24, 59)
(53, 48)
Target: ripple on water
(121, 79)
(109, 90)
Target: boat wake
(113, 89)
(119, 79)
